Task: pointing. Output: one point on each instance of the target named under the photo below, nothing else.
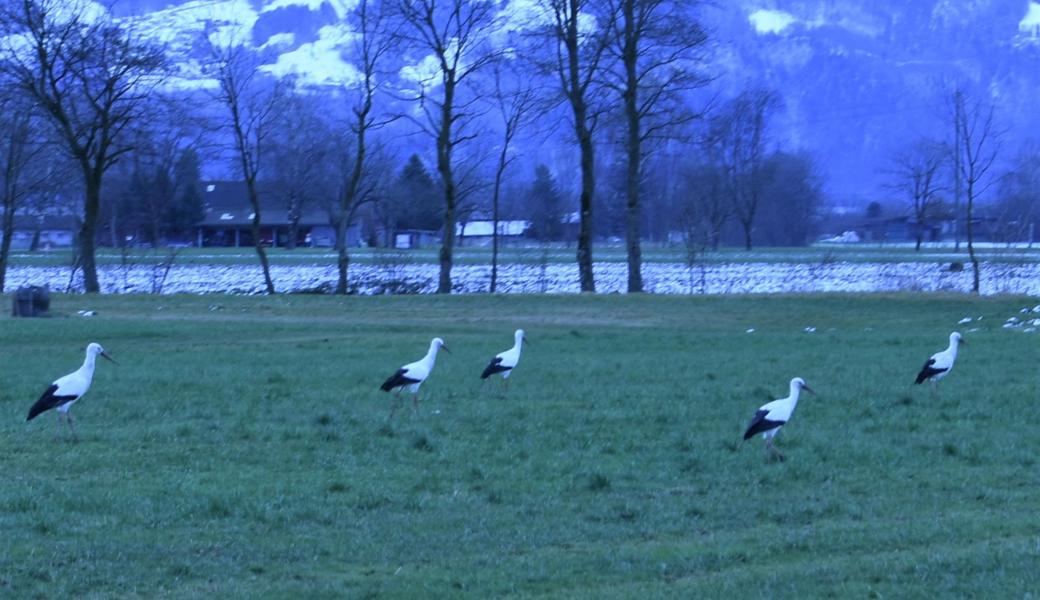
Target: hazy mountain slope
(858, 79)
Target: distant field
(241, 449)
(552, 255)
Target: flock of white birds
(768, 420)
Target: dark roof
(227, 205)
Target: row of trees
(96, 85)
(964, 165)
(469, 79)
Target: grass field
(611, 253)
(241, 449)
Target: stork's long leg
(415, 402)
(72, 426)
(57, 432)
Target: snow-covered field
(660, 278)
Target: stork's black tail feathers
(927, 372)
(396, 380)
(48, 401)
(495, 366)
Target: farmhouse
(479, 233)
(229, 215)
(32, 232)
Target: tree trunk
(635, 152)
(588, 185)
(87, 231)
(746, 225)
(342, 254)
(971, 240)
(576, 96)
(5, 244)
(494, 217)
(294, 233)
(254, 201)
(444, 144)
(917, 246)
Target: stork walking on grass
(772, 416)
(412, 375)
(505, 362)
(65, 391)
(941, 363)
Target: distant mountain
(858, 79)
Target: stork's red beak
(445, 348)
(808, 389)
(526, 341)
(105, 354)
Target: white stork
(505, 362)
(941, 363)
(65, 391)
(772, 415)
(412, 375)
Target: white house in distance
(479, 233)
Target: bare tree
(658, 46)
(456, 34)
(514, 105)
(707, 206)
(738, 135)
(20, 174)
(915, 174)
(252, 104)
(90, 76)
(298, 150)
(373, 42)
(578, 52)
(976, 152)
(159, 149)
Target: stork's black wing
(397, 380)
(48, 401)
(928, 371)
(760, 423)
(495, 366)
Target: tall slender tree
(578, 52)
(514, 103)
(738, 136)
(658, 51)
(90, 76)
(20, 154)
(978, 146)
(252, 103)
(373, 43)
(457, 34)
(915, 174)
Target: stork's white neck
(795, 391)
(431, 355)
(518, 341)
(88, 364)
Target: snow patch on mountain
(319, 62)
(770, 21)
(342, 7)
(1031, 21)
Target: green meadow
(241, 449)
